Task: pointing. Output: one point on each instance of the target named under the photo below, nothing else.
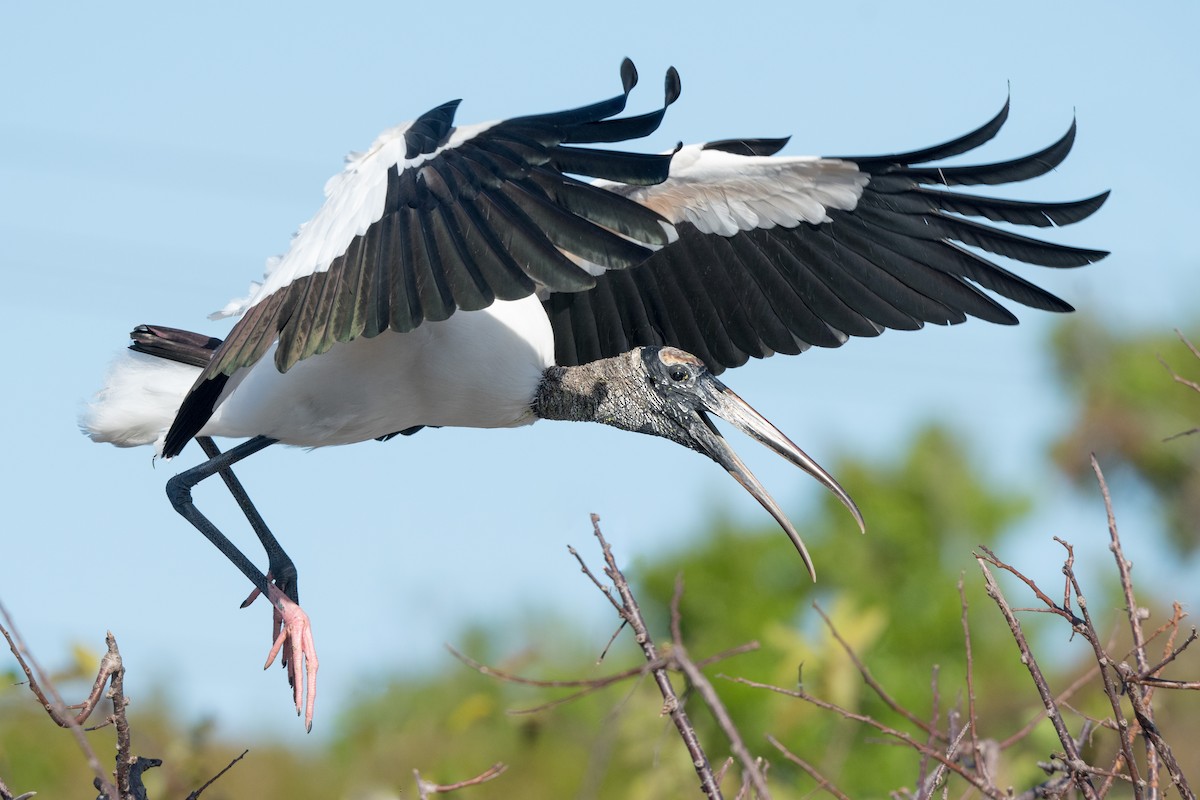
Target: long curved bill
(723, 402)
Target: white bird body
(477, 369)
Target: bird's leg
(291, 624)
(280, 569)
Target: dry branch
(1125, 685)
(53, 703)
(750, 767)
(128, 783)
(659, 665)
(426, 788)
(1075, 765)
(632, 615)
(949, 761)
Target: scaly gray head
(666, 392)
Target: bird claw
(253, 595)
(292, 636)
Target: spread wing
(435, 218)
(738, 252)
(776, 254)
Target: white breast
(477, 369)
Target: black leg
(179, 490)
(279, 564)
(292, 634)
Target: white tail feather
(138, 401)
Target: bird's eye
(678, 374)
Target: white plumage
(724, 193)
(478, 369)
(138, 400)
(354, 200)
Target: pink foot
(292, 628)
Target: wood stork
(462, 275)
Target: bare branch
(1063, 611)
(55, 706)
(196, 794)
(426, 788)
(822, 781)
(1079, 776)
(935, 694)
(589, 685)
(629, 611)
(1061, 699)
(1123, 568)
(603, 589)
(709, 695)
(1163, 683)
(926, 787)
(6, 793)
(1142, 712)
(876, 687)
(1170, 651)
(1134, 614)
(1111, 689)
(1175, 376)
(900, 736)
(972, 718)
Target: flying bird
(491, 275)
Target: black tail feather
(174, 344)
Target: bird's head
(664, 391)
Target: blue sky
(152, 157)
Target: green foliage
(892, 595)
(1128, 404)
